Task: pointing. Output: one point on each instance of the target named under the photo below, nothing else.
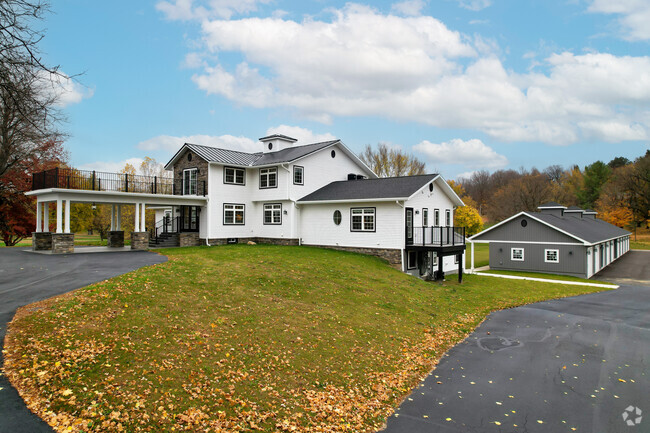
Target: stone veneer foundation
(271, 241)
(62, 243)
(139, 240)
(392, 256)
(116, 239)
(41, 241)
(189, 240)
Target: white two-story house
(317, 194)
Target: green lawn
(241, 338)
(546, 276)
(640, 245)
(481, 255)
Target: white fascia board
(348, 152)
(472, 238)
(224, 164)
(357, 200)
(611, 239)
(172, 161)
(448, 190)
(584, 242)
(577, 244)
(117, 197)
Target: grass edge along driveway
(246, 338)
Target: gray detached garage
(557, 240)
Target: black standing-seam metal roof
(364, 189)
(233, 157)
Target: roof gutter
(353, 200)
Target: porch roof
(115, 197)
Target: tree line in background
(619, 190)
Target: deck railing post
(93, 180)
(155, 184)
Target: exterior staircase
(165, 240)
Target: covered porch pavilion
(62, 240)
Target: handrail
(72, 178)
(437, 236)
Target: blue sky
(462, 84)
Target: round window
(337, 217)
(333, 153)
(431, 187)
(270, 146)
(189, 156)
(524, 223)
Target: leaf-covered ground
(246, 338)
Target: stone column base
(116, 239)
(139, 240)
(62, 243)
(41, 241)
(189, 240)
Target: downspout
(207, 222)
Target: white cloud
(472, 153)
(634, 16)
(66, 90)
(112, 166)
(186, 10)
(410, 8)
(303, 135)
(474, 5)
(171, 144)
(415, 69)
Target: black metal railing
(165, 225)
(71, 178)
(436, 236)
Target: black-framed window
(234, 214)
(425, 217)
(362, 219)
(273, 213)
(412, 260)
(234, 175)
(190, 181)
(337, 217)
(298, 175)
(269, 177)
(448, 218)
(436, 217)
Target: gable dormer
(276, 142)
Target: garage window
(517, 254)
(552, 256)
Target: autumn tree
(468, 217)
(619, 161)
(390, 162)
(526, 194)
(638, 186)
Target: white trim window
(517, 254)
(448, 218)
(234, 176)
(190, 181)
(298, 175)
(273, 213)
(436, 217)
(234, 214)
(425, 217)
(552, 256)
(363, 219)
(268, 177)
(412, 260)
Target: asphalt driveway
(573, 364)
(26, 278)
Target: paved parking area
(26, 278)
(572, 364)
(631, 269)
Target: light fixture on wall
(285, 212)
(94, 206)
(417, 212)
(570, 253)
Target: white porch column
(67, 216)
(46, 217)
(113, 217)
(472, 266)
(142, 219)
(136, 227)
(39, 212)
(119, 218)
(59, 215)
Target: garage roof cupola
(276, 142)
(589, 213)
(552, 208)
(574, 211)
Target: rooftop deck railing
(437, 236)
(71, 178)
